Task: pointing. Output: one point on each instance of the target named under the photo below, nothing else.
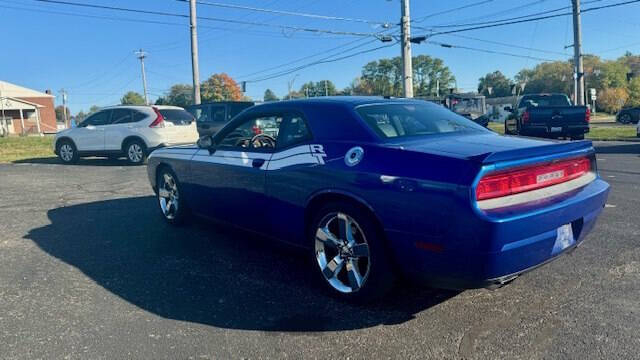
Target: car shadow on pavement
(628, 148)
(91, 161)
(209, 274)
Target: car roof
(349, 101)
(166, 107)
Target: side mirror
(508, 108)
(206, 142)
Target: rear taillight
(587, 115)
(525, 117)
(529, 178)
(159, 121)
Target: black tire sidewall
(181, 215)
(381, 273)
(75, 156)
(142, 146)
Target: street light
(290, 84)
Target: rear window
(415, 119)
(177, 116)
(545, 100)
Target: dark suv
(211, 117)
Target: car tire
(135, 151)
(625, 119)
(169, 195)
(354, 266)
(67, 152)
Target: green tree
(269, 95)
(220, 87)
(556, 76)
(499, 85)
(93, 109)
(320, 88)
(178, 95)
(384, 77)
(60, 113)
(132, 98)
(613, 74)
(634, 91)
(81, 115)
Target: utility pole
(195, 67)
(63, 93)
(3, 128)
(407, 69)
(326, 89)
(577, 49)
(290, 85)
(141, 55)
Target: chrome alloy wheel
(342, 252)
(66, 152)
(168, 196)
(135, 153)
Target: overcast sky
(93, 57)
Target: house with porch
(26, 111)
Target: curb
(631, 140)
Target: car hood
(488, 147)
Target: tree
(60, 113)
(178, 95)
(499, 84)
(80, 116)
(613, 74)
(320, 88)
(132, 98)
(93, 109)
(269, 95)
(384, 77)
(634, 91)
(612, 100)
(220, 87)
(556, 76)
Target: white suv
(131, 131)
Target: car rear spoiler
(576, 147)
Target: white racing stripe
(538, 194)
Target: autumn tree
(220, 87)
(634, 91)
(612, 100)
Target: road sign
(593, 97)
(592, 91)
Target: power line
(291, 13)
(450, 46)
(509, 45)
(532, 19)
(507, 19)
(231, 21)
(325, 61)
(423, 18)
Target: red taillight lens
(587, 115)
(256, 129)
(525, 117)
(159, 121)
(530, 178)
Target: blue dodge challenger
(376, 188)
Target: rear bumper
(545, 131)
(507, 244)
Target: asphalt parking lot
(90, 270)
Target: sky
(91, 52)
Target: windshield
(544, 100)
(403, 120)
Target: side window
(98, 119)
(121, 116)
(293, 131)
(201, 113)
(217, 113)
(137, 116)
(257, 133)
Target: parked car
(211, 117)
(629, 115)
(638, 129)
(472, 106)
(548, 116)
(376, 188)
(131, 131)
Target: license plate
(564, 239)
(556, 129)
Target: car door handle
(256, 163)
